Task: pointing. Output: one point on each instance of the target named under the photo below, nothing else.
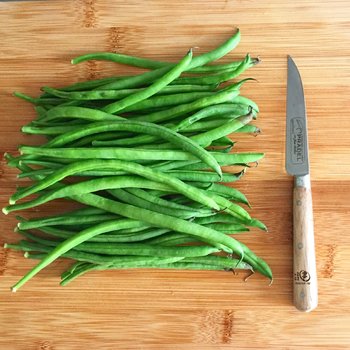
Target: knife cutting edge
(305, 295)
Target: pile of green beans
(143, 157)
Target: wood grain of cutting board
(190, 310)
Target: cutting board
(176, 309)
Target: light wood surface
(190, 310)
(305, 294)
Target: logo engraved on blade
(298, 142)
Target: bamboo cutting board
(190, 310)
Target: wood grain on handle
(304, 265)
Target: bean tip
(13, 289)
(5, 245)
(251, 273)
(26, 255)
(5, 211)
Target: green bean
(87, 140)
(231, 208)
(229, 192)
(170, 165)
(135, 232)
(160, 265)
(142, 233)
(118, 94)
(135, 81)
(225, 160)
(248, 102)
(104, 238)
(154, 102)
(224, 141)
(198, 61)
(89, 84)
(172, 239)
(218, 98)
(143, 249)
(257, 223)
(163, 81)
(142, 203)
(224, 262)
(87, 257)
(85, 211)
(40, 111)
(51, 130)
(135, 154)
(207, 112)
(220, 77)
(156, 200)
(206, 138)
(44, 163)
(78, 112)
(206, 125)
(248, 128)
(65, 220)
(222, 67)
(218, 218)
(203, 176)
(228, 228)
(38, 101)
(189, 191)
(119, 236)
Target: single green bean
(206, 138)
(218, 78)
(51, 130)
(38, 101)
(87, 257)
(249, 128)
(154, 102)
(65, 220)
(198, 61)
(84, 113)
(160, 83)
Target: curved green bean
(118, 94)
(218, 78)
(163, 81)
(198, 61)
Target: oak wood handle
(304, 262)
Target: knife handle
(304, 262)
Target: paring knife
(297, 164)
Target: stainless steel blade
(297, 150)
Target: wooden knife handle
(304, 262)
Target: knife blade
(305, 295)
